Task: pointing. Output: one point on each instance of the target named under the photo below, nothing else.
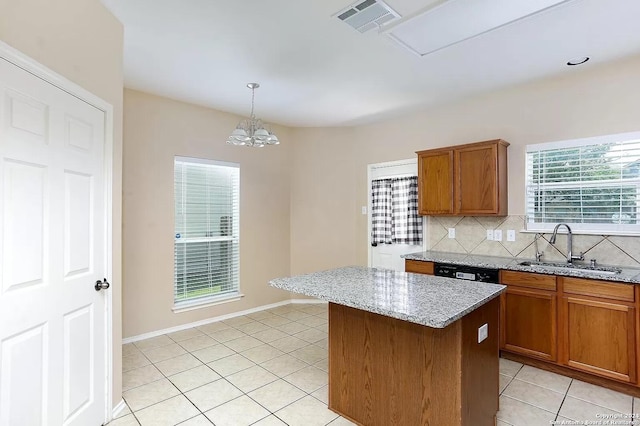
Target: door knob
(102, 285)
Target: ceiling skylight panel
(454, 21)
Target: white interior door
(388, 255)
(52, 251)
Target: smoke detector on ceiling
(367, 15)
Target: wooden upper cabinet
(464, 180)
(435, 190)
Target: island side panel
(480, 366)
(346, 350)
(386, 371)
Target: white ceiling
(315, 70)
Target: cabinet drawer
(596, 288)
(528, 279)
(418, 267)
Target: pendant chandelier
(252, 131)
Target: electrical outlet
(497, 235)
(489, 234)
(511, 235)
(452, 232)
(483, 332)
(364, 209)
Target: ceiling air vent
(367, 15)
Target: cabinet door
(477, 180)
(599, 337)
(418, 266)
(529, 323)
(435, 174)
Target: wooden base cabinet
(528, 321)
(530, 328)
(418, 267)
(385, 371)
(584, 328)
(599, 333)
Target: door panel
(52, 229)
(23, 396)
(24, 224)
(77, 238)
(78, 374)
(27, 120)
(79, 133)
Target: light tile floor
(530, 396)
(270, 368)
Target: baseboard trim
(215, 319)
(120, 406)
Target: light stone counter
(422, 299)
(627, 276)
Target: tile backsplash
(471, 238)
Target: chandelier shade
(252, 131)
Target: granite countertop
(422, 299)
(627, 276)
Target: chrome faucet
(539, 253)
(570, 256)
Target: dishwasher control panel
(464, 272)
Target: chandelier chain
(253, 98)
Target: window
(591, 184)
(206, 252)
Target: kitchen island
(403, 348)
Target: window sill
(205, 303)
(582, 232)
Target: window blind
(206, 246)
(592, 184)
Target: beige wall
(323, 199)
(82, 41)
(157, 129)
(325, 212)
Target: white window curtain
(394, 211)
(206, 245)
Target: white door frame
(28, 64)
(370, 169)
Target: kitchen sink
(602, 270)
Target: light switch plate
(483, 332)
(511, 235)
(364, 209)
(489, 234)
(452, 232)
(497, 235)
